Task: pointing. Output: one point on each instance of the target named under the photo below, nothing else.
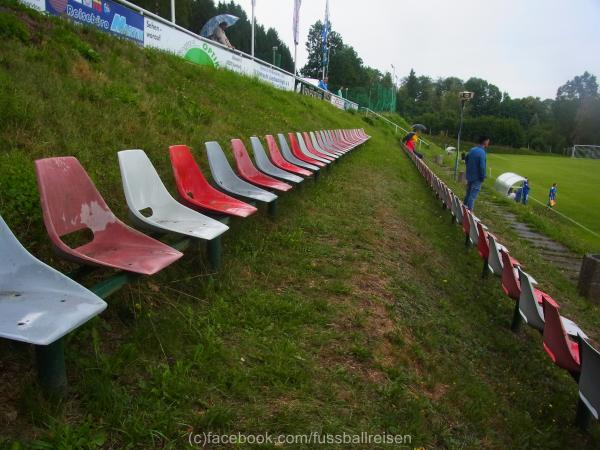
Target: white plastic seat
(305, 151)
(226, 178)
(144, 189)
(589, 388)
(265, 165)
(38, 305)
(532, 312)
(319, 148)
(289, 156)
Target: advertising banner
(112, 17)
(198, 51)
(338, 102)
(105, 15)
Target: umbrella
(450, 149)
(419, 126)
(209, 27)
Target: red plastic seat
(301, 156)
(483, 247)
(311, 148)
(510, 283)
(280, 162)
(196, 191)
(250, 173)
(466, 225)
(563, 350)
(71, 202)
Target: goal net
(585, 151)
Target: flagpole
(295, 59)
(252, 52)
(173, 11)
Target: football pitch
(578, 182)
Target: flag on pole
(297, 21)
(325, 36)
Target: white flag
(297, 21)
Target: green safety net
(376, 97)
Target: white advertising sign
(163, 37)
(338, 102)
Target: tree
(487, 97)
(579, 88)
(314, 46)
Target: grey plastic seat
(319, 148)
(473, 233)
(226, 178)
(324, 143)
(38, 305)
(494, 258)
(265, 165)
(305, 151)
(457, 209)
(589, 388)
(289, 156)
(144, 189)
(531, 310)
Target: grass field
(578, 182)
(358, 309)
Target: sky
(525, 47)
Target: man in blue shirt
(476, 170)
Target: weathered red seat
(196, 191)
(510, 283)
(311, 148)
(71, 203)
(563, 350)
(250, 173)
(301, 156)
(280, 162)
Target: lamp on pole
(173, 11)
(464, 97)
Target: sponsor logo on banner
(102, 14)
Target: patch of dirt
(82, 70)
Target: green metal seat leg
(214, 250)
(52, 375)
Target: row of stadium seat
(566, 344)
(39, 305)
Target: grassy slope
(357, 310)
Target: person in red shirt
(410, 143)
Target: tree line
(193, 14)
(549, 125)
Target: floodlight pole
(462, 110)
(173, 11)
(253, 20)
